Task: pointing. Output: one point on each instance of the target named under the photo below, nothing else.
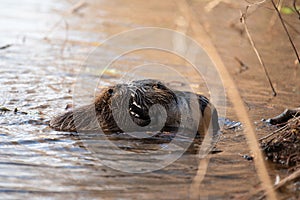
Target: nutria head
(124, 107)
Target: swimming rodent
(137, 98)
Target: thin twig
(243, 20)
(294, 119)
(295, 7)
(286, 30)
(232, 23)
(276, 131)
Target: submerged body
(146, 105)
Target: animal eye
(110, 91)
(158, 86)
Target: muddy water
(277, 54)
(49, 42)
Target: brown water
(38, 72)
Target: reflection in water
(35, 84)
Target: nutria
(140, 96)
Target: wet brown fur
(146, 93)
